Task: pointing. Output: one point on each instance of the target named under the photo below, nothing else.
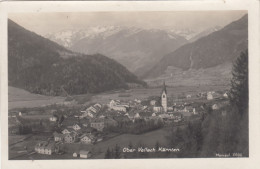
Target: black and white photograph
(128, 85)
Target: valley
(99, 89)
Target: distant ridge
(217, 48)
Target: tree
(117, 152)
(238, 95)
(157, 145)
(130, 145)
(108, 154)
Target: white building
(164, 98)
(225, 95)
(115, 105)
(84, 154)
(152, 102)
(209, 96)
(157, 109)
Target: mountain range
(135, 48)
(216, 51)
(42, 66)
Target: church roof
(164, 88)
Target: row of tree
(138, 127)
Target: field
(19, 98)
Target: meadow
(19, 98)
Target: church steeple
(164, 98)
(164, 88)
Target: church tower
(164, 98)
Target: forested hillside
(220, 47)
(41, 66)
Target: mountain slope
(42, 66)
(136, 48)
(217, 48)
(205, 33)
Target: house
(188, 109)
(215, 107)
(108, 121)
(66, 131)
(137, 116)
(76, 127)
(209, 96)
(46, 147)
(89, 112)
(102, 116)
(92, 109)
(194, 111)
(115, 105)
(225, 95)
(119, 108)
(84, 154)
(97, 106)
(87, 139)
(53, 118)
(170, 108)
(71, 137)
(157, 109)
(188, 96)
(137, 101)
(58, 136)
(152, 102)
(98, 124)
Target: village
(75, 132)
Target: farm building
(46, 147)
(58, 136)
(70, 138)
(84, 154)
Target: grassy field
(19, 98)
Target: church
(164, 98)
(163, 106)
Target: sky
(44, 23)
